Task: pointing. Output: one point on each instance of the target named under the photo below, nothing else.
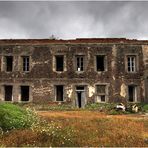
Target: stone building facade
(76, 71)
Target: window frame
(102, 94)
(136, 61)
(54, 62)
(105, 62)
(76, 63)
(55, 93)
(5, 62)
(22, 59)
(30, 93)
(135, 100)
(4, 91)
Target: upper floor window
(101, 91)
(131, 63)
(79, 63)
(59, 62)
(100, 63)
(9, 63)
(26, 63)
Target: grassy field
(97, 129)
(72, 128)
(82, 128)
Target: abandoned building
(76, 72)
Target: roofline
(72, 41)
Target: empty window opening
(100, 98)
(59, 63)
(9, 63)
(8, 92)
(25, 63)
(24, 93)
(101, 93)
(79, 63)
(59, 93)
(100, 62)
(131, 63)
(132, 93)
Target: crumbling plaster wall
(42, 78)
(145, 60)
(124, 78)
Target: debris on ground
(120, 106)
(135, 108)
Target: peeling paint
(91, 90)
(69, 91)
(123, 90)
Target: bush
(13, 116)
(145, 108)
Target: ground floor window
(59, 93)
(132, 93)
(24, 93)
(8, 92)
(101, 93)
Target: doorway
(80, 96)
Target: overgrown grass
(49, 107)
(95, 129)
(108, 108)
(80, 129)
(15, 117)
(22, 127)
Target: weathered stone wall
(42, 77)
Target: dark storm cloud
(73, 19)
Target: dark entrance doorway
(8, 93)
(79, 96)
(80, 91)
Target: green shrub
(13, 116)
(145, 107)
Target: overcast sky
(68, 20)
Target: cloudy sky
(68, 20)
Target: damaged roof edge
(77, 40)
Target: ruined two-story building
(74, 71)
